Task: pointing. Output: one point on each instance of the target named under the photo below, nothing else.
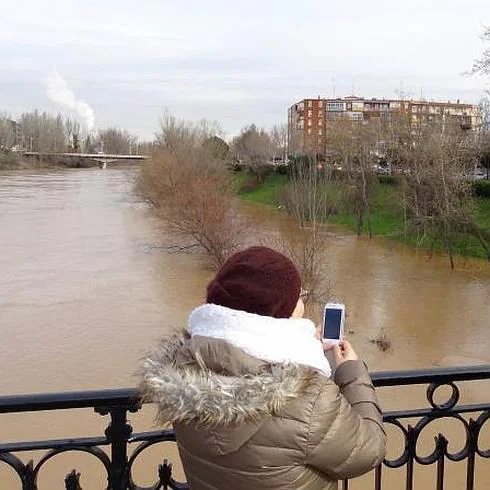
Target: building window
(310, 113)
(320, 122)
(309, 122)
(320, 103)
(309, 131)
(310, 103)
(335, 106)
(320, 132)
(320, 113)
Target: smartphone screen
(333, 319)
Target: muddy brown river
(87, 286)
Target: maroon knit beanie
(258, 280)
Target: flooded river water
(87, 286)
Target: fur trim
(193, 393)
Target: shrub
(282, 169)
(381, 341)
(390, 179)
(481, 188)
(9, 159)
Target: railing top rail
(433, 375)
(69, 399)
(129, 396)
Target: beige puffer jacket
(242, 423)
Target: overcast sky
(234, 62)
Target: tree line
(43, 132)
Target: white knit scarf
(271, 339)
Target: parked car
(477, 175)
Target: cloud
(59, 92)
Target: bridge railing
(126, 446)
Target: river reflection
(87, 288)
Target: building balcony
(119, 449)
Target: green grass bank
(387, 216)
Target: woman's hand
(342, 352)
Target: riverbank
(12, 161)
(387, 216)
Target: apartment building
(308, 120)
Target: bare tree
(117, 141)
(77, 135)
(43, 132)
(191, 187)
(306, 198)
(484, 106)
(355, 149)
(438, 199)
(7, 136)
(146, 147)
(73, 133)
(176, 133)
(8, 158)
(482, 64)
(88, 144)
(254, 148)
(483, 156)
(69, 132)
(57, 135)
(217, 147)
(279, 140)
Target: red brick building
(308, 120)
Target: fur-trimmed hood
(210, 382)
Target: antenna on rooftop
(402, 93)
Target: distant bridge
(84, 160)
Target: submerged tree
(306, 199)
(188, 182)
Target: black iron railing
(119, 436)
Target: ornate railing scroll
(118, 437)
(118, 449)
(411, 424)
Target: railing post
(118, 433)
(411, 443)
(378, 476)
(441, 444)
(472, 448)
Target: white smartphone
(333, 322)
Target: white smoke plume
(59, 92)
